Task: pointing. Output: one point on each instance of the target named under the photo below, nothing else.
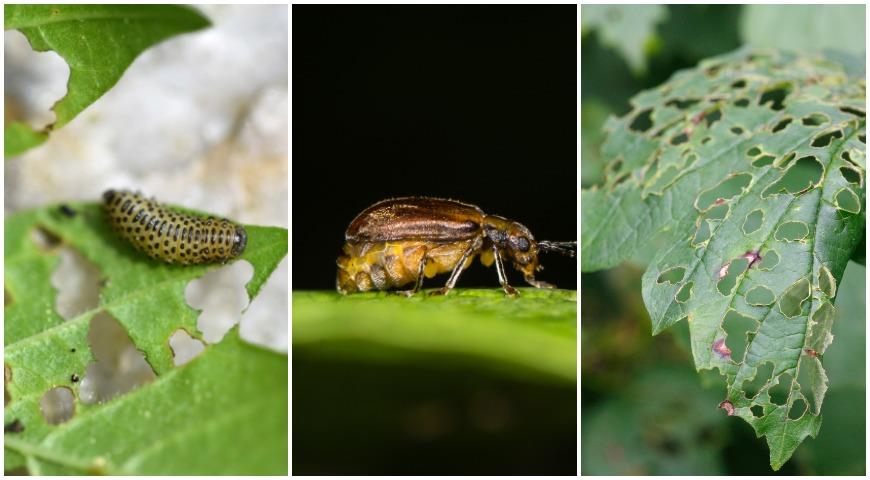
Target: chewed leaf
(759, 184)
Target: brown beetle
(399, 241)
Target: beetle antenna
(565, 248)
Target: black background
(475, 103)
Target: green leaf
(697, 158)
(180, 423)
(531, 335)
(19, 137)
(627, 28)
(805, 27)
(98, 42)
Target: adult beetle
(399, 241)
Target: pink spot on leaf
(728, 407)
(721, 349)
(724, 270)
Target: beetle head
(514, 240)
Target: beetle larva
(170, 236)
(399, 241)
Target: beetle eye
(523, 244)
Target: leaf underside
(180, 423)
(753, 163)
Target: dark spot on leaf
(815, 120)
(682, 104)
(781, 124)
(739, 84)
(66, 210)
(15, 426)
(853, 111)
(736, 130)
(753, 152)
(825, 139)
(775, 96)
(74, 378)
(712, 117)
(642, 121)
(752, 257)
(679, 139)
(757, 411)
(743, 102)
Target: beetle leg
(418, 283)
(454, 275)
(538, 283)
(502, 277)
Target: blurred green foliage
(619, 434)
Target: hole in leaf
(825, 139)
(743, 102)
(77, 281)
(800, 176)
(763, 161)
(729, 273)
(685, 293)
(724, 191)
(760, 296)
(786, 160)
(44, 239)
(184, 347)
(615, 165)
(679, 139)
(682, 104)
(118, 367)
(779, 393)
(712, 118)
(664, 179)
(757, 411)
(851, 175)
(815, 120)
(642, 121)
(221, 296)
(736, 130)
(753, 221)
(792, 232)
(622, 178)
(672, 275)
(862, 139)
(791, 302)
(739, 84)
(702, 234)
(57, 405)
(753, 152)
(853, 111)
(847, 201)
(775, 96)
(827, 285)
(820, 329)
(763, 373)
(782, 124)
(812, 382)
(770, 261)
(737, 327)
(717, 212)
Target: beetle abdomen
(416, 218)
(385, 265)
(171, 236)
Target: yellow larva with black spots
(171, 236)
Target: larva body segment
(170, 236)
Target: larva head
(240, 241)
(514, 240)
